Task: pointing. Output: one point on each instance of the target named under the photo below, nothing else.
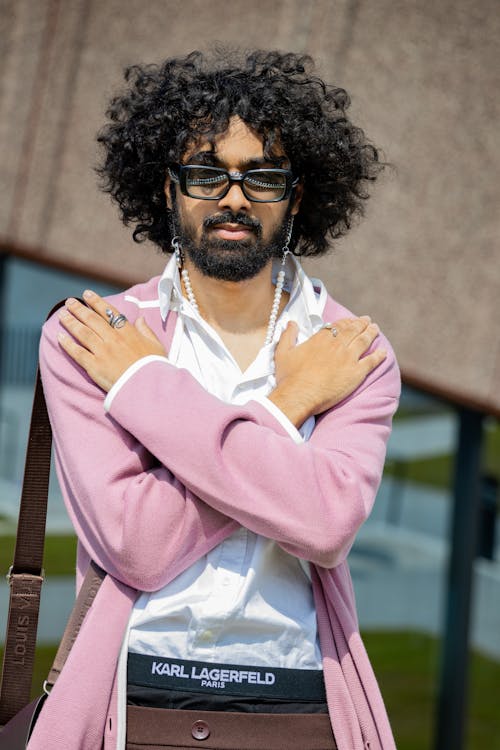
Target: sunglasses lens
(265, 185)
(206, 183)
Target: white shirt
(248, 601)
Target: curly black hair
(170, 106)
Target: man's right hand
(325, 369)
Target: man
(220, 431)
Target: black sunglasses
(213, 183)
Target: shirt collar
(306, 291)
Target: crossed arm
(162, 478)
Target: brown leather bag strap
(89, 588)
(17, 674)
(26, 575)
(28, 555)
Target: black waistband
(228, 679)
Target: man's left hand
(103, 351)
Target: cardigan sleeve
(311, 498)
(132, 515)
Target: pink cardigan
(171, 471)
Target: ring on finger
(115, 320)
(331, 328)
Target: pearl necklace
(280, 280)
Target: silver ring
(331, 328)
(115, 321)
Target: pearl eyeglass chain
(280, 280)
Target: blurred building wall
(424, 81)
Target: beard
(231, 260)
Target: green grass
(438, 472)
(59, 557)
(492, 447)
(406, 665)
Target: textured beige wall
(424, 78)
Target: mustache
(229, 217)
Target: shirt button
(200, 730)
